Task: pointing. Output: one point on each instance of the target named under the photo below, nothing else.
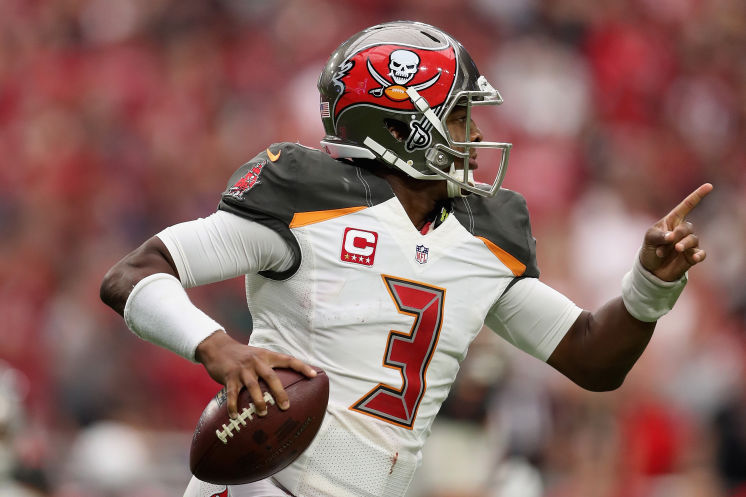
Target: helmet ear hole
(399, 130)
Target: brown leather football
(250, 447)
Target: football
(250, 447)
(396, 93)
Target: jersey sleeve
(261, 190)
(223, 246)
(504, 225)
(288, 179)
(532, 316)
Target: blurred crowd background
(119, 118)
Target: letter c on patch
(360, 242)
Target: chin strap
(454, 189)
(422, 105)
(393, 159)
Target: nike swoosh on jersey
(273, 157)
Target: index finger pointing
(679, 212)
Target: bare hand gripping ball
(250, 448)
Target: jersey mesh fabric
(342, 465)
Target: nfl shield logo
(421, 254)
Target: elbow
(603, 380)
(151, 257)
(111, 292)
(606, 386)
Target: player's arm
(147, 288)
(597, 349)
(601, 347)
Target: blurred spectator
(22, 465)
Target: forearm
(145, 289)
(601, 347)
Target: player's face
(456, 123)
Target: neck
(418, 197)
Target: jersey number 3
(410, 353)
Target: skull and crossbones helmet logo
(403, 65)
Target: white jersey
(386, 311)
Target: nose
(475, 133)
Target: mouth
(473, 165)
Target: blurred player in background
(379, 258)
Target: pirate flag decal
(382, 74)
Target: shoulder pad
(503, 221)
(288, 179)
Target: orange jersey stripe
(516, 266)
(313, 217)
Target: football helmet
(406, 76)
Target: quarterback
(379, 257)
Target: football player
(379, 258)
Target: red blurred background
(118, 119)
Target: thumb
(657, 235)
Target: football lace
(235, 424)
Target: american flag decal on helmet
(325, 112)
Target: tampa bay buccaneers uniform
(340, 274)
(386, 310)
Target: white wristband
(648, 297)
(159, 310)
